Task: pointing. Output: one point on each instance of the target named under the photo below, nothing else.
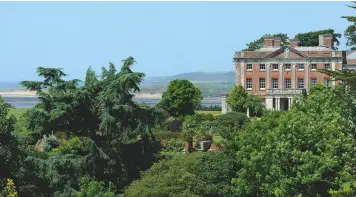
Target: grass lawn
(17, 112)
(215, 113)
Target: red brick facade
(294, 63)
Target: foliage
(239, 100)
(257, 44)
(91, 188)
(181, 98)
(196, 174)
(114, 131)
(10, 189)
(10, 154)
(50, 142)
(227, 125)
(312, 38)
(208, 108)
(306, 151)
(164, 135)
(351, 29)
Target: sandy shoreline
(24, 93)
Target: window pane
(300, 83)
(249, 66)
(262, 66)
(313, 66)
(327, 66)
(300, 66)
(287, 66)
(313, 81)
(274, 83)
(287, 83)
(248, 83)
(262, 83)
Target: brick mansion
(279, 73)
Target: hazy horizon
(165, 38)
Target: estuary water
(29, 102)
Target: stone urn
(205, 145)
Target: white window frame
(275, 69)
(326, 82)
(264, 66)
(262, 83)
(300, 80)
(299, 67)
(311, 81)
(327, 67)
(316, 66)
(288, 65)
(247, 66)
(248, 86)
(273, 83)
(289, 83)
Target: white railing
(286, 91)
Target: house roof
(282, 49)
(320, 48)
(351, 54)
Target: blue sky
(165, 38)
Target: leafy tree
(349, 33)
(91, 188)
(307, 151)
(10, 155)
(194, 175)
(239, 100)
(181, 98)
(227, 125)
(312, 38)
(118, 129)
(257, 44)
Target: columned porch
(281, 99)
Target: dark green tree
(350, 32)
(312, 38)
(181, 98)
(10, 154)
(118, 129)
(257, 44)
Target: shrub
(166, 135)
(50, 142)
(193, 175)
(227, 124)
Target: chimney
(277, 42)
(294, 42)
(268, 41)
(326, 40)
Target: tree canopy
(306, 39)
(181, 97)
(349, 33)
(115, 131)
(257, 44)
(312, 38)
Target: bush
(164, 135)
(228, 124)
(50, 142)
(193, 175)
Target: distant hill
(211, 84)
(196, 77)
